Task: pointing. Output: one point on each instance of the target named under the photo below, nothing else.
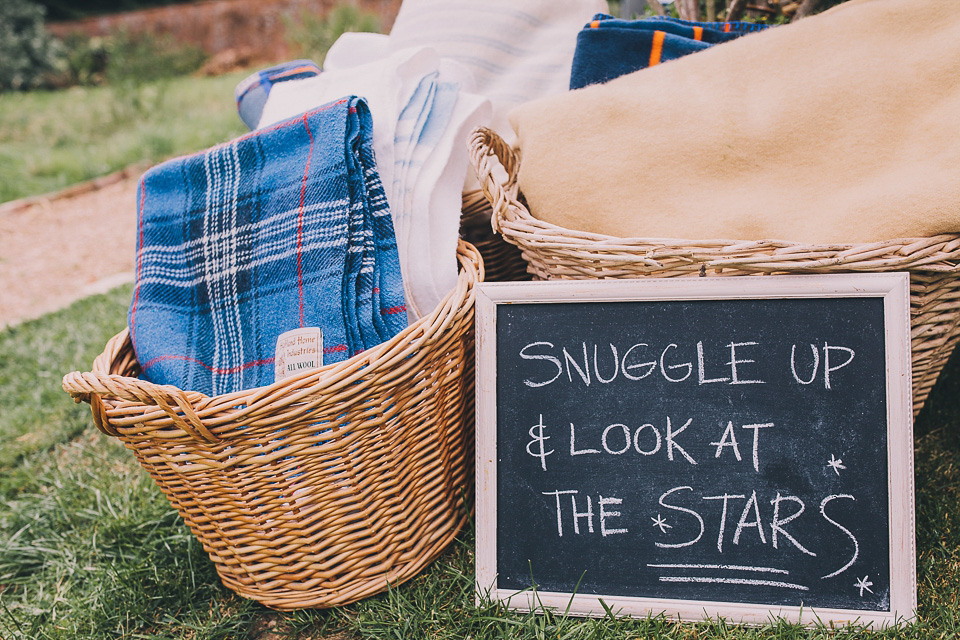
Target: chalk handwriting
(853, 538)
(734, 513)
(828, 369)
(691, 512)
(588, 363)
(536, 446)
(729, 439)
(587, 515)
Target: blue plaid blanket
(285, 227)
(609, 47)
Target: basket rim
(329, 379)
(490, 154)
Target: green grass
(90, 548)
(34, 357)
(53, 139)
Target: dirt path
(61, 248)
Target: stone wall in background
(217, 26)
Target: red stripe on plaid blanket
(303, 196)
(335, 349)
(392, 310)
(246, 365)
(136, 293)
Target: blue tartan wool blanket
(285, 227)
(609, 47)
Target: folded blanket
(251, 94)
(833, 129)
(608, 48)
(283, 228)
(430, 219)
(386, 85)
(422, 111)
(517, 50)
(356, 48)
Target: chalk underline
(732, 567)
(761, 583)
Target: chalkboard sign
(736, 447)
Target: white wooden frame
(894, 288)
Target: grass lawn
(90, 548)
(53, 139)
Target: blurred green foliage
(310, 36)
(127, 59)
(30, 58)
(86, 59)
(145, 58)
(28, 53)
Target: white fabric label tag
(298, 350)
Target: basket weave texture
(321, 489)
(553, 252)
(502, 261)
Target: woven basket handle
(89, 386)
(471, 263)
(485, 145)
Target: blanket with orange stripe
(838, 128)
(609, 47)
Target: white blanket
(517, 50)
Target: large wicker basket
(553, 252)
(322, 489)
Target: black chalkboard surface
(735, 446)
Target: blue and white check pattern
(285, 227)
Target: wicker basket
(553, 252)
(322, 489)
(502, 261)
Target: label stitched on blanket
(298, 350)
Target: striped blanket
(516, 50)
(608, 47)
(251, 94)
(285, 227)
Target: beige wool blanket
(840, 128)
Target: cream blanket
(842, 127)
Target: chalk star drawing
(836, 464)
(660, 522)
(864, 583)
